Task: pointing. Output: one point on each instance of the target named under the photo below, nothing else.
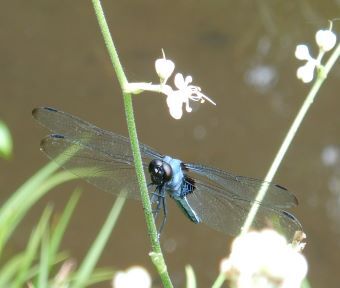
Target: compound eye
(155, 165)
(167, 172)
(160, 171)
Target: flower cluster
(264, 259)
(326, 41)
(184, 91)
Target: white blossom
(306, 72)
(302, 52)
(182, 93)
(264, 259)
(135, 276)
(325, 39)
(164, 68)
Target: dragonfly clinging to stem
(212, 196)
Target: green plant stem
(285, 145)
(156, 254)
(290, 136)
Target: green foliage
(36, 265)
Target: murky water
(241, 53)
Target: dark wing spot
(57, 136)
(291, 216)
(281, 187)
(50, 109)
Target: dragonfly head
(160, 172)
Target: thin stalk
(156, 254)
(290, 136)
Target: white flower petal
(306, 72)
(136, 276)
(188, 80)
(325, 39)
(179, 81)
(175, 104)
(164, 68)
(176, 113)
(302, 52)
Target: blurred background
(241, 53)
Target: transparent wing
(224, 205)
(76, 129)
(102, 158)
(244, 188)
(107, 172)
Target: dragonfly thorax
(160, 172)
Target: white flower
(302, 52)
(176, 98)
(135, 276)
(264, 259)
(325, 39)
(164, 68)
(306, 72)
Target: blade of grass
(10, 269)
(59, 231)
(13, 213)
(34, 270)
(44, 261)
(98, 245)
(32, 248)
(100, 275)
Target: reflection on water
(170, 245)
(333, 202)
(199, 132)
(262, 77)
(330, 155)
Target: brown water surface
(242, 55)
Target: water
(241, 53)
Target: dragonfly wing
(111, 173)
(226, 211)
(225, 208)
(76, 129)
(244, 188)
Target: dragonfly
(204, 194)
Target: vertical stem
(156, 255)
(289, 137)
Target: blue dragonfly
(212, 196)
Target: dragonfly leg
(165, 212)
(156, 198)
